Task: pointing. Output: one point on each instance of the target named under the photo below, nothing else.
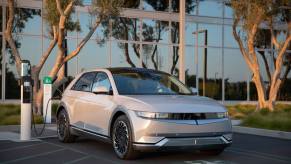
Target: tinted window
(102, 80)
(85, 82)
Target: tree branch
(8, 36)
(59, 8)
(276, 82)
(241, 46)
(49, 50)
(282, 52)
(69, 8)
(153, 57)
(274, 39)
(126, 53)
(251, 38)
(83, 42)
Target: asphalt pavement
(245, 149)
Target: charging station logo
(47, 80)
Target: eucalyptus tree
(22, 16)
(254, 15)
(58, 17)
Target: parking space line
(33, 156)
(69, 148)
(20, 147)
(261, 153)
(84, 153)
(256, 155)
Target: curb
(262, 132)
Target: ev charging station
(47, 95)
(26, 100)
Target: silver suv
(139, 109)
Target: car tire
(122, 139)
(63, 128)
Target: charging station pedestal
(26, 100)
(47, 95)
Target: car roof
(130, 69)
(126, 69)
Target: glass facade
(213, 61)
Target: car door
(79, 92)
(99, 106)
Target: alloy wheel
(62, 123)
(121, 138)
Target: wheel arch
(114, 116)
(62, 106)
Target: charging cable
(38, 134)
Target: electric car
(140, 110)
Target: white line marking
(33, 156)
(20, 147)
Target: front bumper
(200, 143)
(163, 134)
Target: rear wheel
(63, 128)
(122, 139)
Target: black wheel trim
(121, 138)
(62, 124)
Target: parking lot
(245, 149)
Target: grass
(10, 114)
(279, 119)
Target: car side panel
(97, 110)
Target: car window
(148, 83)
(102, 80)
(85, 82)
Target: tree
(22, 16)
(254, 14)
(127, 29)
(58, 16)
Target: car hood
(172, 103)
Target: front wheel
(63, 128)
(122, 139)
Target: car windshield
(148, 83)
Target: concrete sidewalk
(12, 132)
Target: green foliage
(22, 15)
(279, 119)
(52, 16)
(10, 114)
(252, 12)
(110, 8)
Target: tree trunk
(39, 101)
(260, 90)
(36, 84)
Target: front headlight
(181, 116)
(152, 115)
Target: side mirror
(194, 91)
(100, 90)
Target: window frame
(111, 86)
(90, 90)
